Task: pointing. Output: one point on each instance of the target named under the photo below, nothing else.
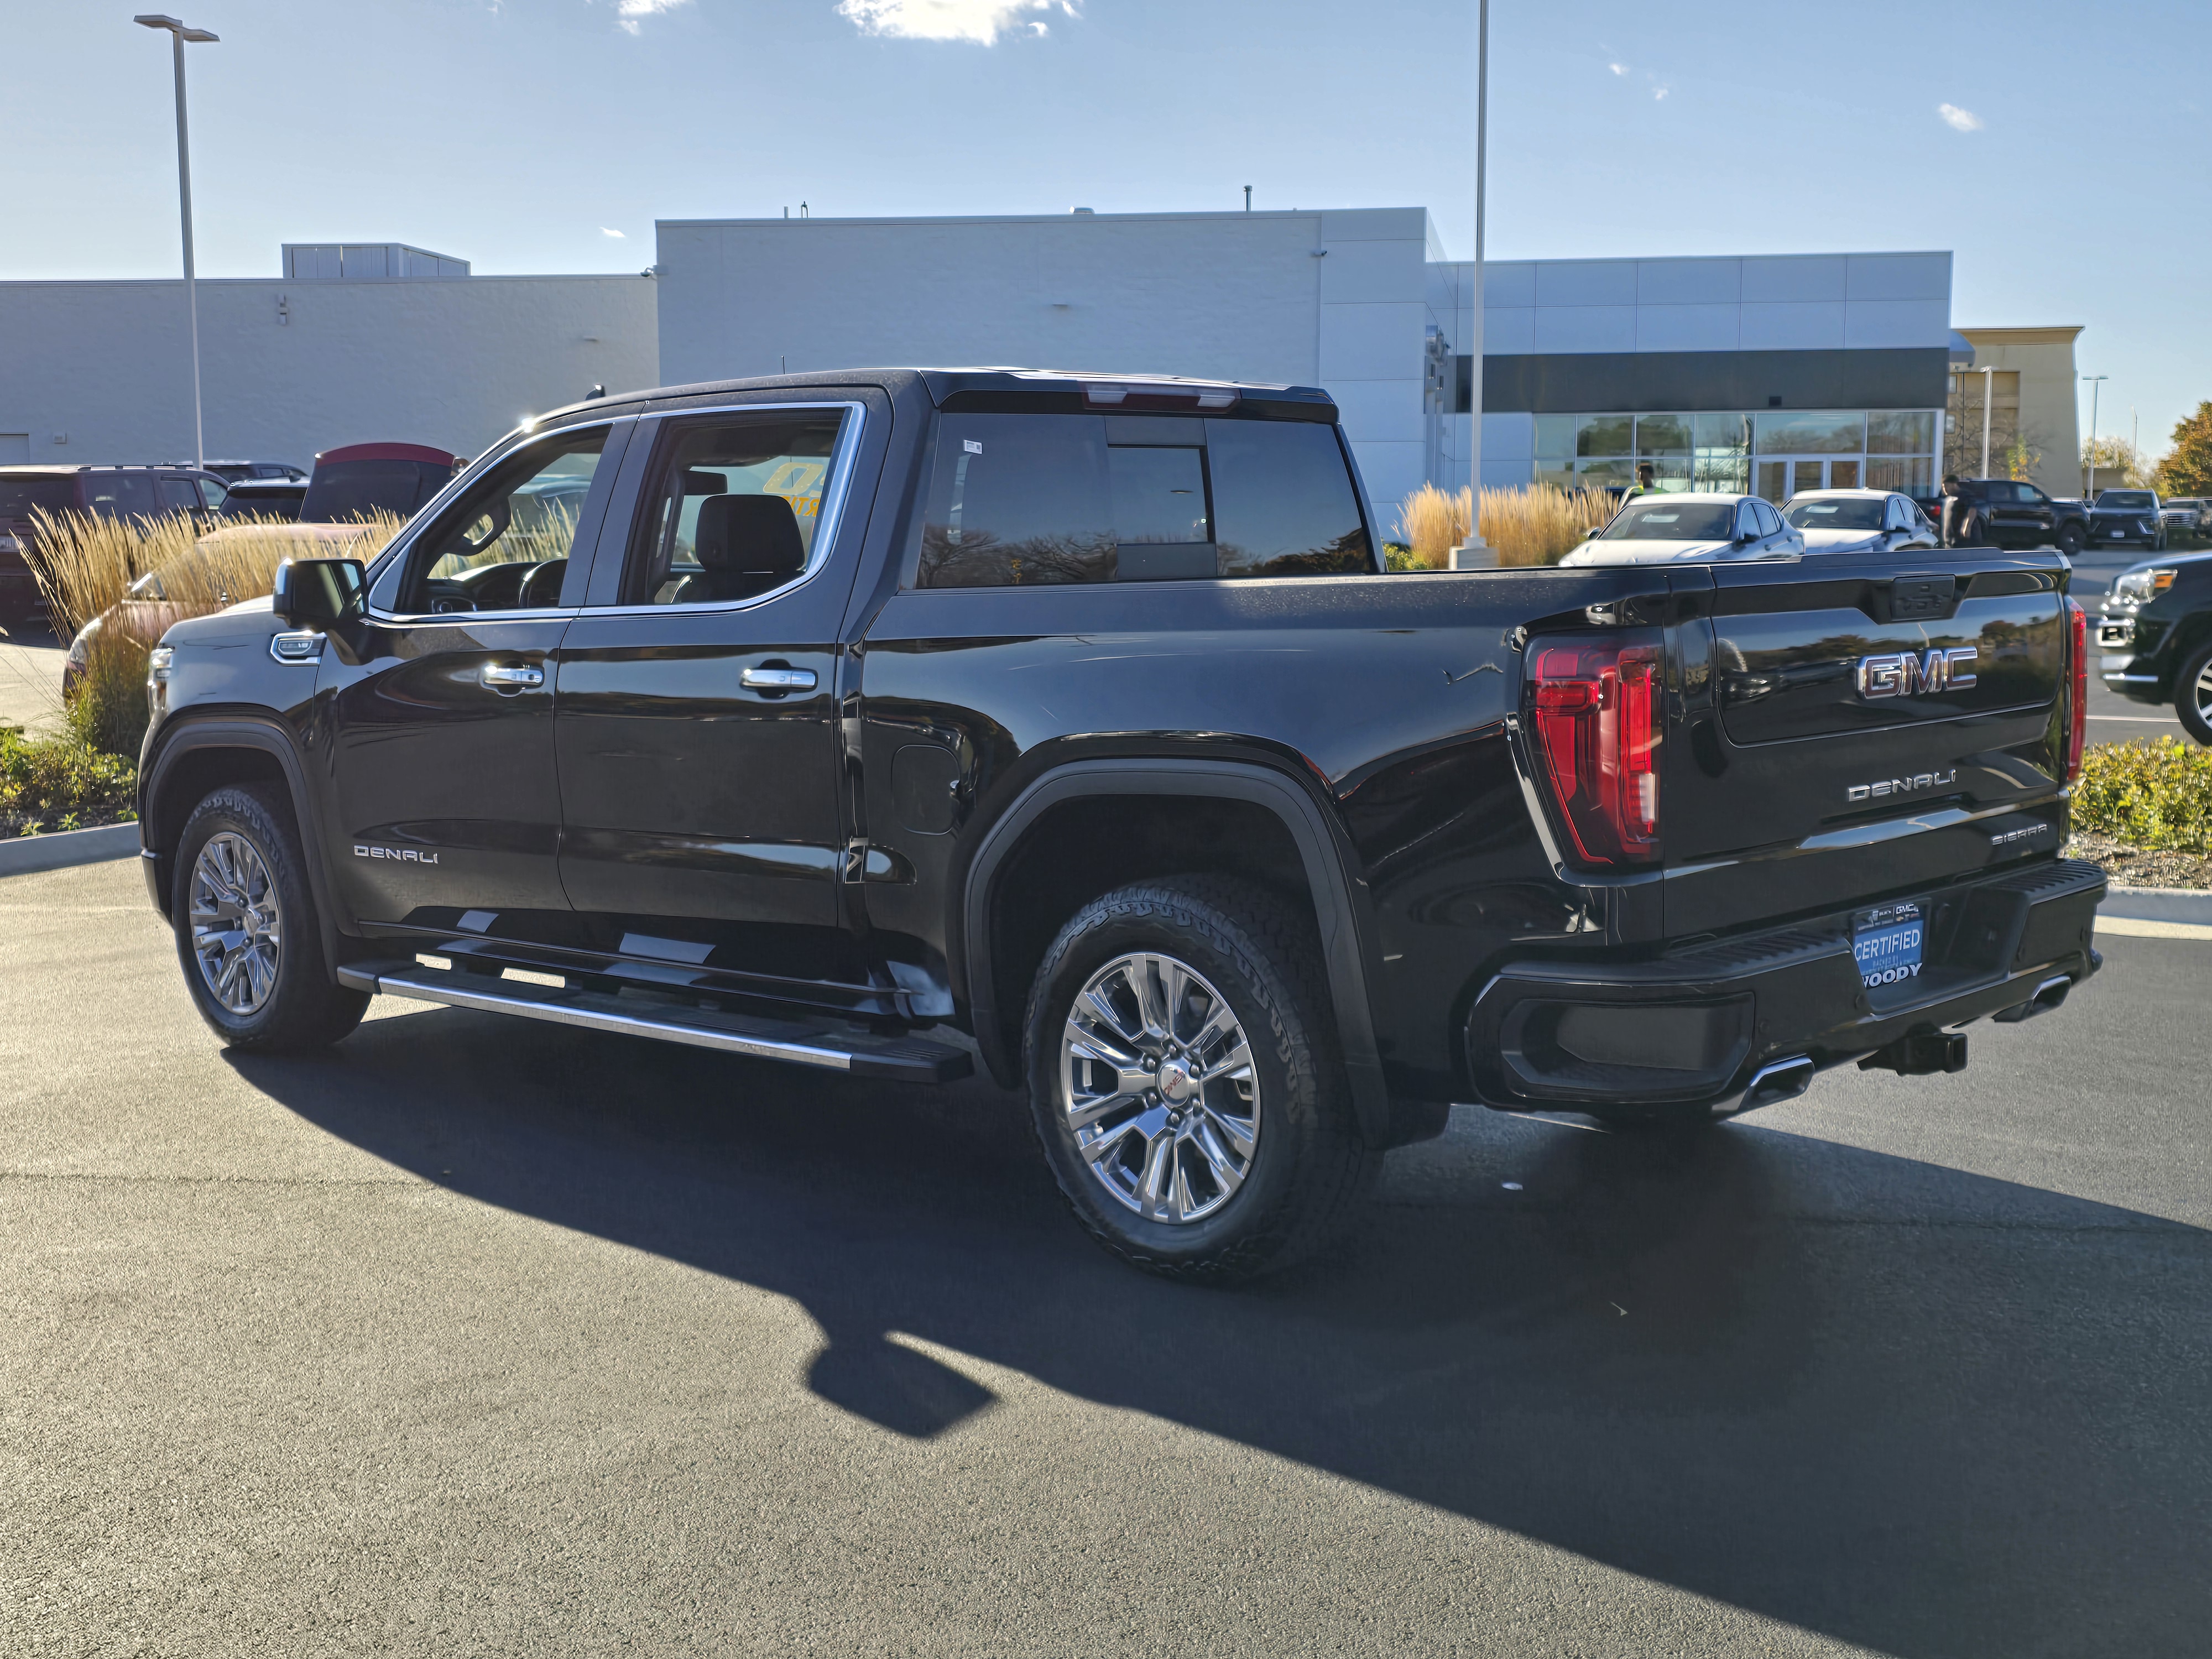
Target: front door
(698, 732)
(440, 715)
(1781, 477)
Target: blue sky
(2069, 177)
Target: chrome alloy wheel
(2201, 693)
(237, 930)
(1158, 1087)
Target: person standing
(1645, 485)
(1962, 525)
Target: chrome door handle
(502, 674)
(777, 680)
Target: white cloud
(1959, 120)
(1617, 68)
(982, 21)
(608, 231)
(1660, 92)
(627, 12)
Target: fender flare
(188, 735)
(1336, 910)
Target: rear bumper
(1730, 1025)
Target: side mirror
(315, 592)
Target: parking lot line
(2137, 928)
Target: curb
(2179, 905)
(22, 854)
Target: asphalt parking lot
(481, 1337)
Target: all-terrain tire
(2192, 694)
(303, 1007)
(2069, 539)
(1310, 1165)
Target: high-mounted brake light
(1157, 394)
(1594, 710)
(2077, 713)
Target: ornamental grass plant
(133, 578)
(1529, 524)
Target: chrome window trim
(826, 523)
(401, 545)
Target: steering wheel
(541, 585)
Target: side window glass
(505, 545)
(1018, 500)
(216, 494)
(1283, 501)
(733, 509)
(178, 495)
(1769, 521)
(119, 494)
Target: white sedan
(1859, 521)
(1661, 529)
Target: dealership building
(1766, 372)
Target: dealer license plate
(1886, 942)
(2119, 535)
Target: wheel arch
(1311, 839)
(196, 755)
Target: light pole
(2089, 472)
(179, 34)
(1988, 379)
(1474, 346)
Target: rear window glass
(1028, 500)
(19, 497)
(354, 490)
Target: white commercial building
(1766, 372)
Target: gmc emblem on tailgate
(1901, 674)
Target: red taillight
(1593, 706)
(2077, 715)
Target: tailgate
(1857, 730)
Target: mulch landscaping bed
(2139, 867)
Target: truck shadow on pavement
(1921, 1411)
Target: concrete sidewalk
(31, 678)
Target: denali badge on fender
(1901, 674)
(404, 854)
(1918, 781)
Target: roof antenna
(1247, 198)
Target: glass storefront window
(1913, 475)
(1560, 474)
(1606, 472)
(1900, 432)
(1604, 434)
(1657, 435)
(1555, 435)
(1807, 434)
(1723, 434)
(1723, 471)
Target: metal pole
(1474, 344)
(191, 285)
(1988, 378)
(2089, 472)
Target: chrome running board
(832, 1045)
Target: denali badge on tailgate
(1901, 674)
(1918, 780)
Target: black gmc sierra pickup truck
(835, 716)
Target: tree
(2118, 455)
(2187, 468)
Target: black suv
(107, 492)
(2124, 516)
(2156, 637)
(873, 721)
(2018, 515)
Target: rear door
(1893, 723)
(700, 750)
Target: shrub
(1432, 523)
(2156, 794)
(106, 708)
(55, 783)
